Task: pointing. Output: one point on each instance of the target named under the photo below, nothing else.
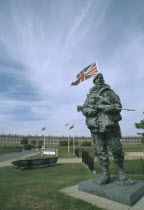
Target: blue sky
(43, 46)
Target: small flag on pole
(44, 128)
(67, 124)
(71, 127)
(86, 73)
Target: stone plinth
(128, 192)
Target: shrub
(27, 147)
(65, 143)
(17, 149)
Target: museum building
(53, 141)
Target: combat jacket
(102, 119)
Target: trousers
(112, 140)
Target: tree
(86, 143)
(63, 143)
(40, 143)
(140, 125)
(24, 141)
(75, 142)
(33, 143)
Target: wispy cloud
(84, 11)
(43, 45)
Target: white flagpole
(44, 142)
(73, 143)
(44, 137)
(68, 144)
(97, 65)
(68, 138)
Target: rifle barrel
(127, 109)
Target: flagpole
(44, 142)
(73, 143)
(68, 138)
(44, 128)
(68, 144)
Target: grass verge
(38, 188)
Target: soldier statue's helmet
(99, 74)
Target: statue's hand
(89, 112)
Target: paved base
(126, 192)
(99, 201)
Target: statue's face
(99, 80)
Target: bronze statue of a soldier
(102, 109)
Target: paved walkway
(5, 160)
(135, 154)
(69, 160)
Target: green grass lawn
(38, 188)
(133, 148)
(66, 155)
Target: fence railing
(87, 159)
(77, 152)
(132, 165)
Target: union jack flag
(86, 73)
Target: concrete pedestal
(126, 192)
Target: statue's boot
(106, 176)
(121, 172)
